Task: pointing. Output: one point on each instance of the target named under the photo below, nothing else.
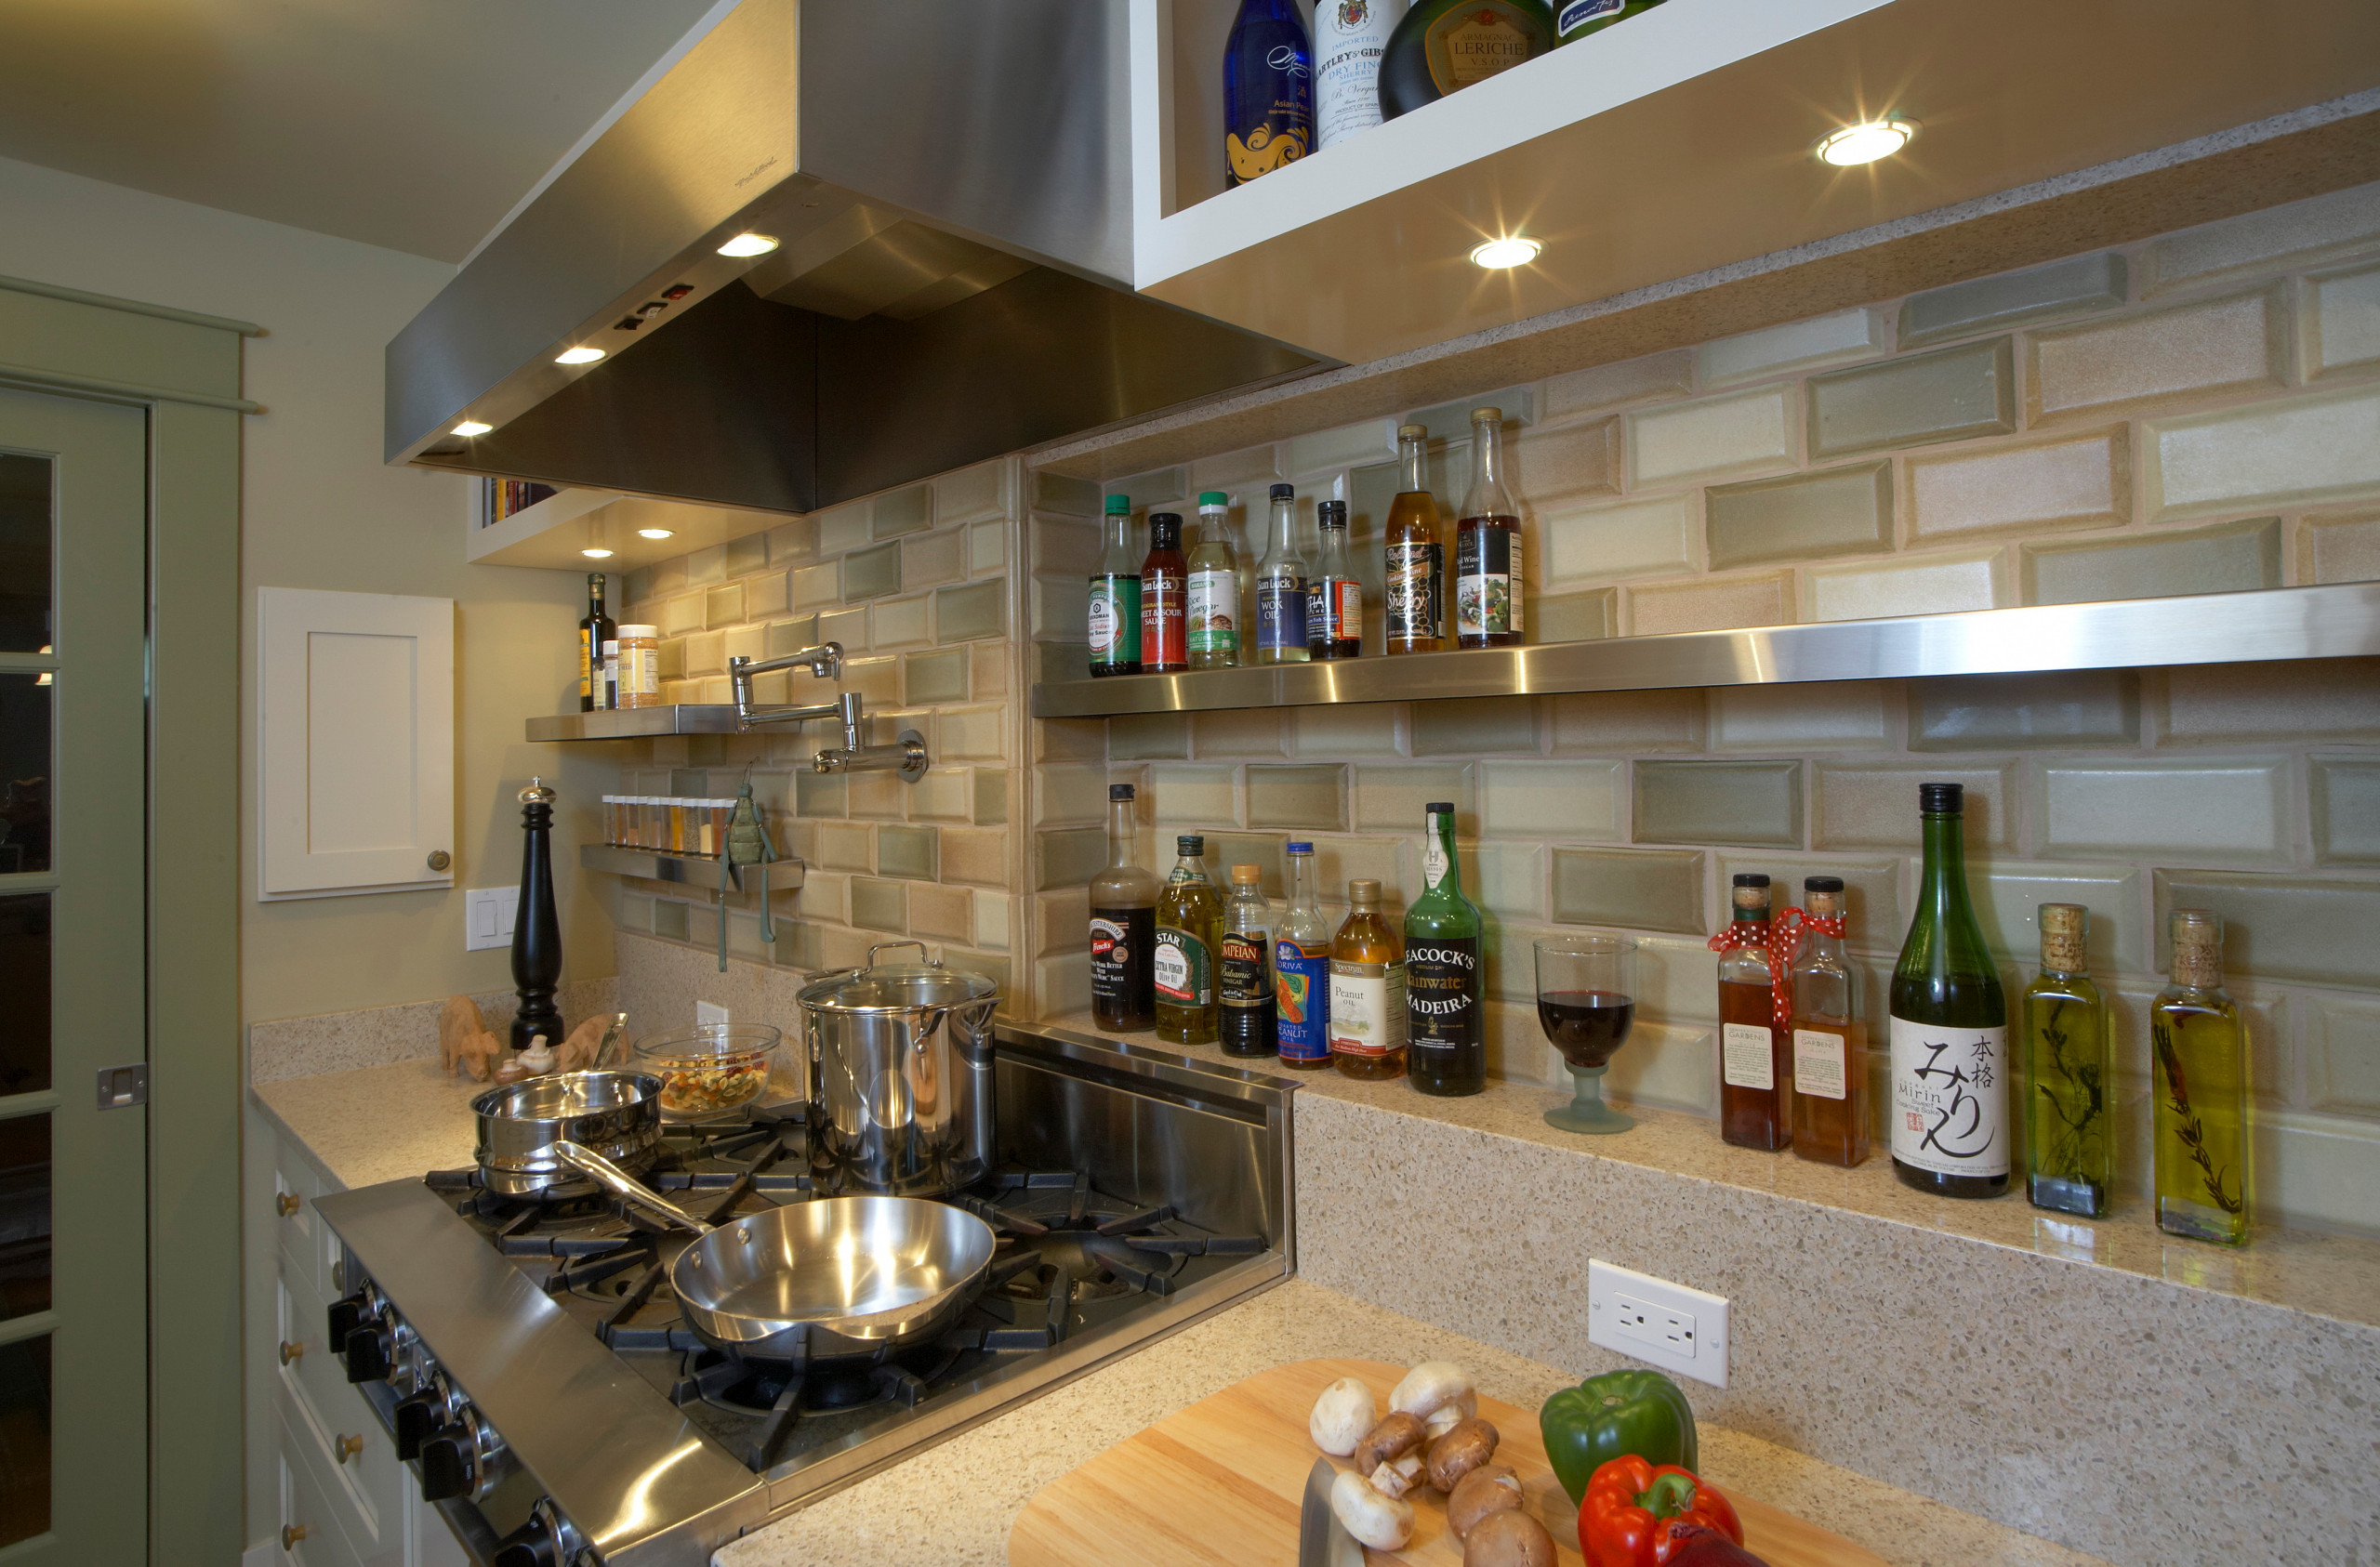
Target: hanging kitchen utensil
(748, 844)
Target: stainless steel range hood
(948, 183)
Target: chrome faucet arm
(824, 661)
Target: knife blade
(1323, 1541)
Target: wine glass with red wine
(1586, 999)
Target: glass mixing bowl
(710, 1069)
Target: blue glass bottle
(1268, 90)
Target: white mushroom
(1446, 1419)
(1342, 1415)
(1398, 1476)
(1434, 1385)
(1381, 1523)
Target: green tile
(1059, 492)
(1632, 888)
(1142, 737)
(792, 636)
(936, 677)
(2314, 928)
(747, 554)
(1158, 487)
(1574, 617)
(1298, 797)
(799, 944)
(907, 851)
(1996, 304)
(871, 574)
(1266, 851)
(691, 783)
(669, 919)
(796, 540)
(880, 905)
(1872, 916)
(723, 606)
(1475, 727)
(1914, 399)
(980, 609)
(1390, 799)
(1452, 421)
(1069, 856)
(819, 795)
(1753, 803)
(1996, 712)
(896, 512)
(2346, 809)
(2008, 892)
(991, 797)
(2231, 558)
(1842, 511)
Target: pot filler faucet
(905, 755)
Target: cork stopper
(1822, 895)
(2065, 927)
(1247, 874)
(1750, 896)
(2198, 948)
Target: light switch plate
(709, 1012)
(487, 916)
(1666, 1325)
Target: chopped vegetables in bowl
(711, 1068)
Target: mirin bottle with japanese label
(1189, 923)
(1245, 992)
(1487, 571)
(1830, 1040)
(2201, 1058)
(1123, 928)
(1948, 1114)
(1447, 1027)
(1281, 587)
(1116, 596)
(1754, 1066)
(2068, 1072)
(1214, 612)
(1416, 563)
(1367, 1018)
(1302, 970)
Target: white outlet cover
(709, 1012)
(1678, 1329)
(487, 916)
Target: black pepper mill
(537, 929)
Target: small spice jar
(640, 683)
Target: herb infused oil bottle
(1416, 564)
(1245, 992)
(1281, 587)
(2071, 1163)
(2201, 1050)
(1367, 1018)
(1948, 1114)
(1447, 1027)
(1189, 924)
(1829, 1041)
(1123, 928)
(1116, 595)
(1754, 1109)
(1487, 573)
(1302, 970)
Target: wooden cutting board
(1220, 1484)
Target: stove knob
(416, 1418)
(367, 1355)
(445, 1466)
(346, 1317)
(546, 1540)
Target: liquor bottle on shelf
(593, 631)
(1189, 921)
(1573, 19)
(1302, 970)
(1488, 580)
(1447, 1027)
(1829, 1041)
(1334, 606)
(1268, 89)
(1754, 1066)
(1416, 560)
(1245, 992)
(1123, 928)
(2201, 1050)
(1165, 589)
(1442, 46)
(1350, 36)
(2070, 1161)
(1116, 595)
(1281, 587)
(1948, 1114)
(1212, 617)
(1367, 1017)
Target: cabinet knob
(288, 1203)
(290, 1534)
(290, 1352)
(346, 1447)
(338, 1277)
(439, 859)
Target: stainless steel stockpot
(617, 1114)
(901, 1077)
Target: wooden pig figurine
(464, 1039)
(586, 1041)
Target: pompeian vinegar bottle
(593, 632)
(1367, 1018)
(1829, 1041)
(1302, 970)
(1487, 573)
(1189, 924)
(1116, 596)
(2070, 1157)
(2201, 1050)
(1123, 928)
(1948, 1114)
(1754, 1110)
(1165, 593)
(1245, 992)
(1447, 1025)
(1268, 89)
(1445, 45)
(1280, 587)
(1416, 565)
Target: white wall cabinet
(355, 743)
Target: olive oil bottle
(2200, 1051)
(2068, 1072)
(1189, 926)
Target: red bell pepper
(1633, 1514)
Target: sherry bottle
(1447, 1022)
(1334, 608)
(1948, 1114)
(1123, 928)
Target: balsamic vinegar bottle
(1948, 1114)
(593, 631)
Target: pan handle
(623, 1185)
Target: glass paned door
(73, 1210)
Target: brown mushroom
(1508, 1539)
(1470, 1443)
(1397, 1435)
(1485, 1492)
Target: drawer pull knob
(346, 1447)
(290, 1352)
(288, 1204)
(290, 1534)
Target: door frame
(183, 368)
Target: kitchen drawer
(303, 1506)
(326, 1412)
(295, 1225)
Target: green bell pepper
(1611, 1416)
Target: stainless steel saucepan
(827, 1279)
(617, 1113)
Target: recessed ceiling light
(749, 245)
(472, 427)
(596, 552)
(657, 533)
(578, 356)
(1499, 254)
(1866, 142)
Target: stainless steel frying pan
(826, 1279)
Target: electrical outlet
(1669, 1325)
(487, 916)
(709, 1012)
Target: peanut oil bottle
(1368, 1016)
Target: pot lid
(895, 987)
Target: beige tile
(880, 905)
(992, 920)
(1912, 400)
(1247, 732)
(1564, 799)
(2228, 558)
(2002, 712)
(2322, 700)
(1356, 732)
(1348, 446)
(901, 622)
(2343, 1066)
(819, 585)
(1613, 386)
(1059, 607)
(1256, 465)
(975, 856)
(1060, 918)
(845, 845)
(879, 795)
(1811, 344)
(987, 548)
(2154, 357)
(1148, 736)
(1551, 466)
(1599, 544)
(877, 680)
(1573, 617)
(1716, 605)
(1310, 798)
(848, 628)
(2344, 796)
(2233, 810)
(706, 565)
(796, 540)
(942, 795)
(1391, 799)
(1194, 795)
(2075, 483)
(970, 492)
(1061, 985)
(1925, 584)
(746, 641)
(842, 528)
(991, 797)
(1617, 721)
(1628, 889)
(770, 594)
(1506, 878)
(970, 735)
(2341, 326)
(1388, 860)
(2308, 449)
(2298, 233)
(989, 664)
(1738, 432)
(1869, 804)
(1833, 716)
(2339, 549)
(705, 653)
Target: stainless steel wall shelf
(2280, 623)
(691, 870)
(635, 723)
